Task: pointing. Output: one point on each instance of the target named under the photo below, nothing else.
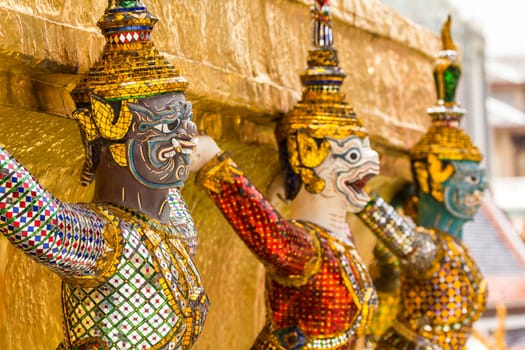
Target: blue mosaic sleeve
(66, 238)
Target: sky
(502, 21)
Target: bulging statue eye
(353, 155)
(167, 128)
(174, 124)
(472, 179)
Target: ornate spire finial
(130, 66)
(322, 111)
(447, 70)
(322, 27)
(445, 139)
(446, 36)
(125, 3)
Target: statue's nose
(371, 154)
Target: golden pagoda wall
(243, 59)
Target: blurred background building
(506, 115)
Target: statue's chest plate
(452, 297)
(155, 299)
(336, 303)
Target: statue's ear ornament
(438, 173)
(293, 153)
(312, 182)
(302, 147)
(119, 153)
(110, 126)
(83, 117)
(310, 153)
(421, 176)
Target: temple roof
(500, 254)
(487, 238)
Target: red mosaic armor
(319, 295)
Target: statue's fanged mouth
(473, 200)
(352, 183)
(360, 183)
(178, 146)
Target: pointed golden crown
(130, 66)
(322, 111)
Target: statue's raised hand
(206, 149)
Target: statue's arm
(416, 247)
(66, 238)
(284, 248)
(384, 269)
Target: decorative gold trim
(482, 298)
(100, 343)
(152, 241)
(319, 119)
(322, 58)
(220, 169)
(446, 143)
(367, 312)
(66, 343)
